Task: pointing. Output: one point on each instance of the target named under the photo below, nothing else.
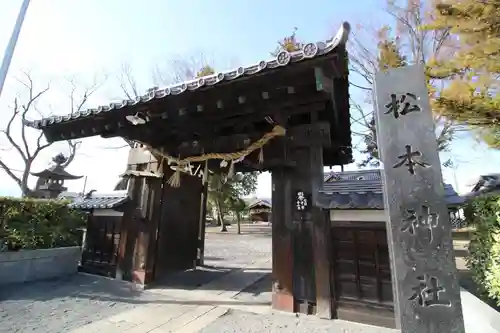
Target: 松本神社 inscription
(425, 284)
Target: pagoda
(50, 181)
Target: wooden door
(100, 253)
(362, 285)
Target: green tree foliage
(239, 207)
(39, 224)
(389, 56)
(224, 192)
(484, 249)
(401, 41)
(473, 68)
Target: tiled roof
(363, 189)
(283, 58)
(353, 175)
(98, 200)
(256, 202)
(487, 184)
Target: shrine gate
(288, 115)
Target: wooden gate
(100, 252)
(361, 274)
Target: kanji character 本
(409, 160)
(401, 106)
(428, 292)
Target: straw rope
(174, 181)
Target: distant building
(486, 184)
(259, 209)
(358, 194)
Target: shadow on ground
(71, 286)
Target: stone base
(282, 302)
(32, 265)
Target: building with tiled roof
(361, 191)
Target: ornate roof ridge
(283, 58)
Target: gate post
(200, 259)
(301, 266)
(424, 274)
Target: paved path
(67, 304)
(187, 311)
(234, 295)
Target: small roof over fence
(95, 200)
(362, 189)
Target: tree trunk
(218, 212)
(221, 217)
(238, 220)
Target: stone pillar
(425, 282)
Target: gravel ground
(260, 292)
(65, 304)
(253, 244)
(244, 322)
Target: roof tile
(282, 59)
(99, 200)
(363, 189)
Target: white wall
(106, 212)
(357, 215)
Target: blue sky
(84, 38)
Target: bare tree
(180, 69)
(174, 71)
(17, 134)
(404, 27)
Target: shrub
(484, 248)
(39, 223)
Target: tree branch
(32, 99)
(9, 172)
(8, 132)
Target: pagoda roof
(55, 172)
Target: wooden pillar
(203, 217)
(139, 231)
(128, 233)
(179, 225)
(301, 265)
(321, 240)
(149, 231)
(282, 298)
(425, 281)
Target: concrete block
(478, 316)
(33, 265)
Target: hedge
(484, 249)
(39, 224)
